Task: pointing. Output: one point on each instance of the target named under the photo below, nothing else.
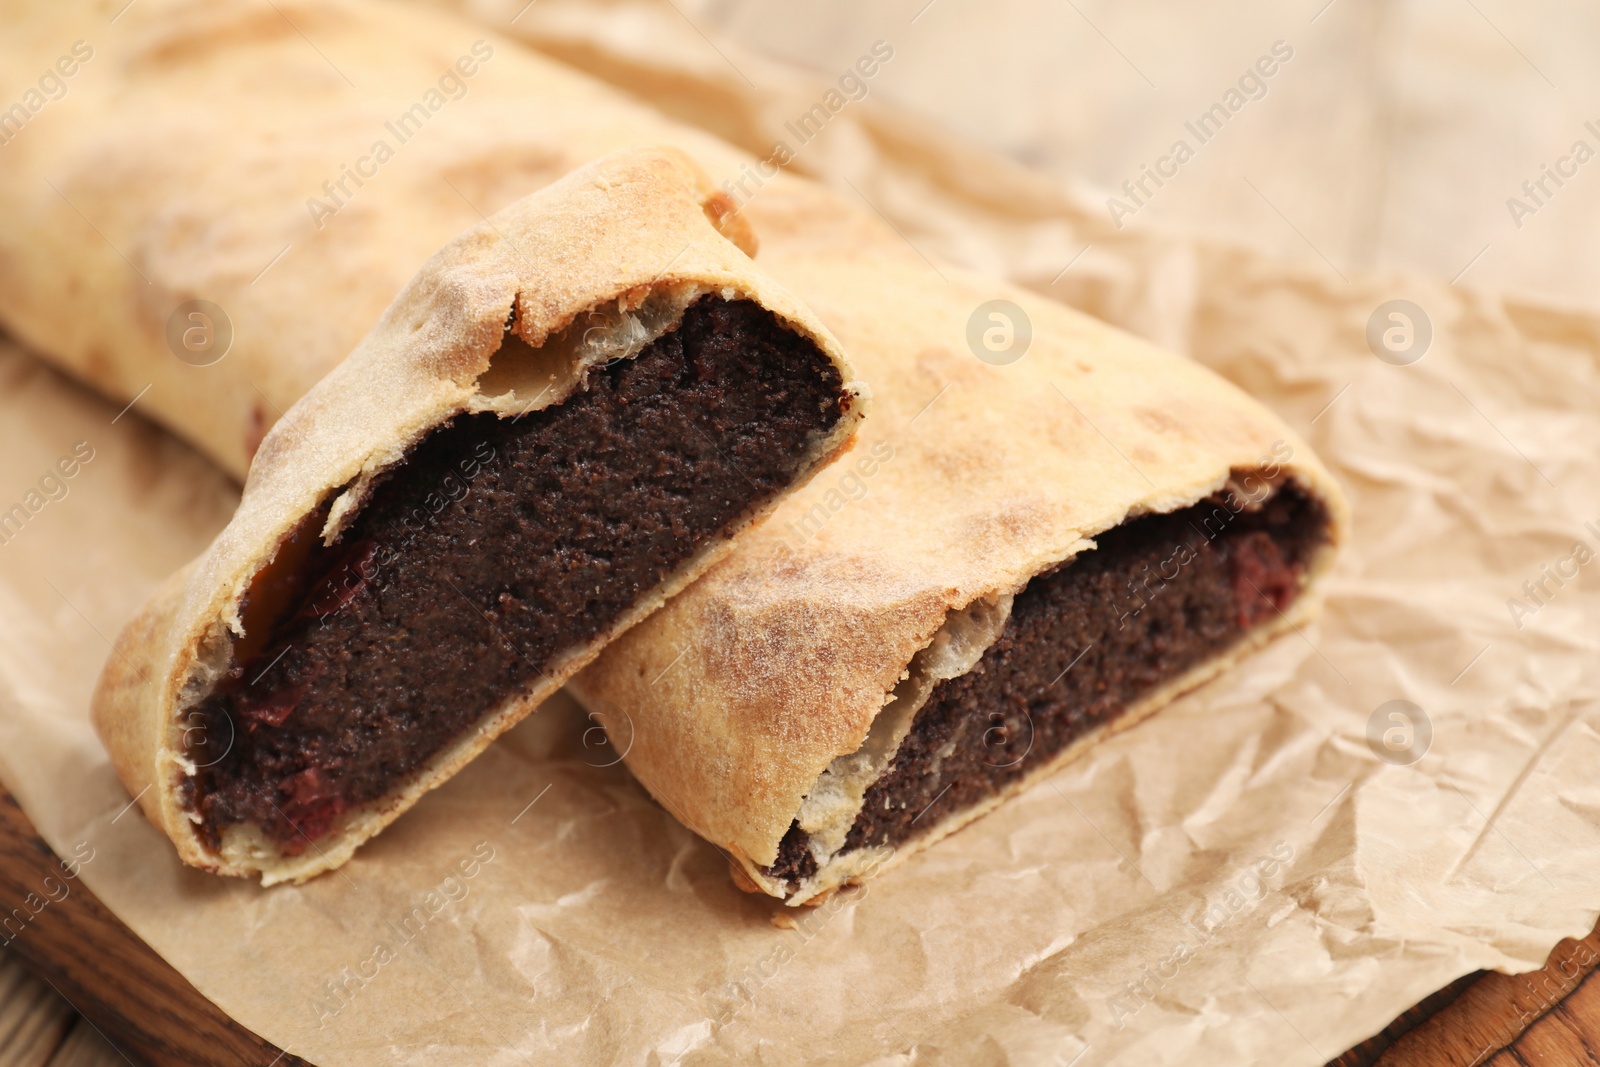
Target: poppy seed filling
(1158, 596)
(496, 546)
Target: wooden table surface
(79, 989)
(95, 987)
(40, 1029)
(1096, 120)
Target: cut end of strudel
(1017, 684)
(563, 419)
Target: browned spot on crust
(1159, 421)
(742, 880)
(255, 431)
(724, 215)
(98, 367)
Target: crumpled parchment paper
(1268, 871)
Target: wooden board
(39, 1029)
(1550, 1016)
(145, 1009)
(148, 1012)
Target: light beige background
(1392, 139)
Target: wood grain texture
(33, 1020)
(85, 1046)
(39, 1029)
(1369, 1051)
(1549, 1016)
(140, 1006)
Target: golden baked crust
(628, 231)
(792, 647)
(183, 162)
(784, 654)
